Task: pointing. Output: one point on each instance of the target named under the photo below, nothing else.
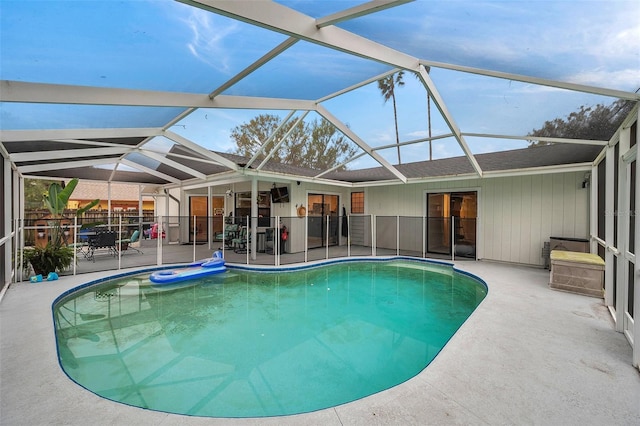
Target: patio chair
(270, 240)
(239, 243)
(230, 232)
(126, 243)
(102, 240)
(82, 245)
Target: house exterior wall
(516, 215)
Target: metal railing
(275, 241)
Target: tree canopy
(594, 123)
(315, 144)
(34, 192)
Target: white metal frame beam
(448, 118)
(65, 165)
(413, 142)
(254, 66)
(362, 144)
(69, 154)
(147, 170)
(538, 138)
(17, 91)
(75, 135)
(358, 11)
(276, 17)
(284, 137)
(205, 153)
(536, 80)
(355, 157)
(269, 139)
(171, 163)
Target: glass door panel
(438, 227)
(321, 206)
(441, 208)
(198, 208)
(217, 221)
(464, 209)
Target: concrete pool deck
(527, 355)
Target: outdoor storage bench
(581, 273)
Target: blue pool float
(201, 268)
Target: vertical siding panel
(486, 219)
(404, 204)
(497, 201)
(416, 195)
(525, 220)
(557, 205)
(513, 212)
(582, 208)
(546, 197)
(569, 211)
(535, 228)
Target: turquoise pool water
(251, 344)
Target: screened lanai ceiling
(150, 92)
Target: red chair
(154, 231)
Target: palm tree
(387, 87)
(428, 69)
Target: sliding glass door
(451, 222)
(320, 232)
(198, 208)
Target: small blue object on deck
(36, 278)
(201, 268)
(52, 276)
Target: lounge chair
(126, 243)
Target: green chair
(239, 244)
(126, 243)
(230, 232)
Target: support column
(636, 286)
(140, 209)
(593, 210)
(609, 256)
(254, 217)
(210, 217)
(7, 192)
(20, 241)
(109, 203)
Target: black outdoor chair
(102, 240)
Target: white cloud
(625, 78)
(209, 35)
(418, 134)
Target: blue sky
(164, 45)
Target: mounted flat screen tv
(280, 195)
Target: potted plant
(56, 255)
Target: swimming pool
(250, 343)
